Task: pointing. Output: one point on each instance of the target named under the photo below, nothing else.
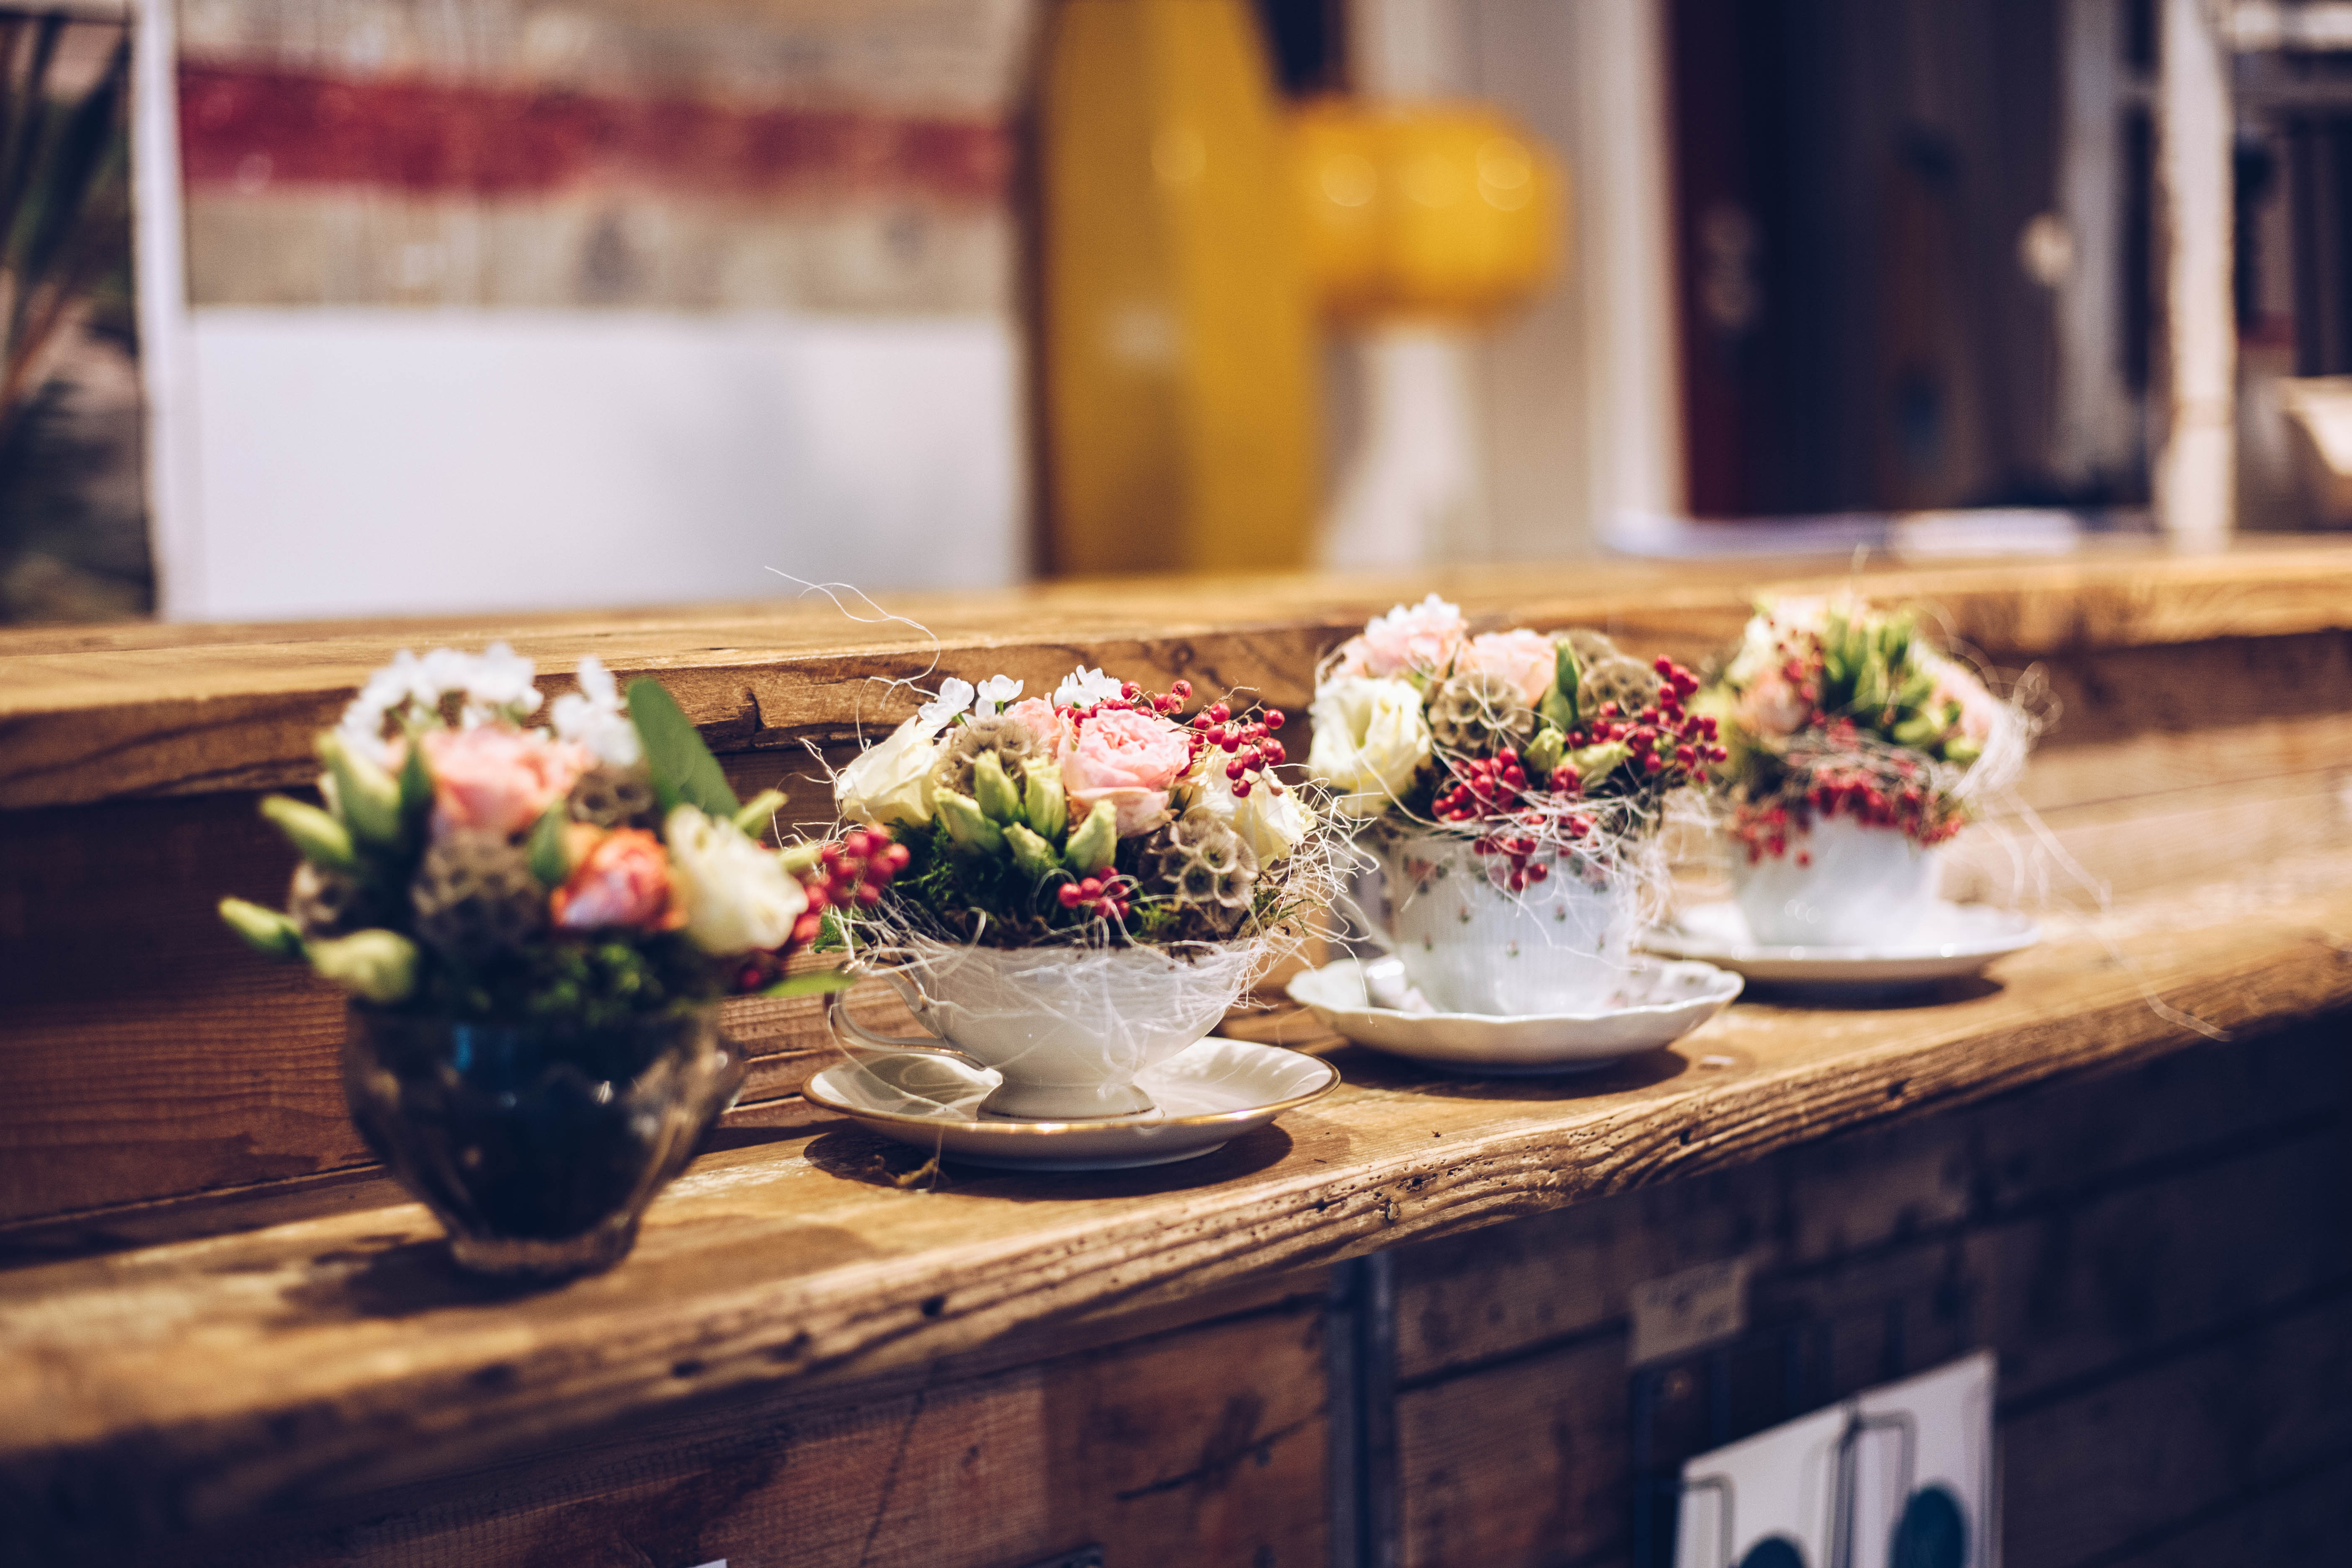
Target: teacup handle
(837, 1017)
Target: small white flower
(1083, 688)
(498, 686)
(739, 897)
(441, 671)
(954, 697)
(997, 693)
(594, 717)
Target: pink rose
(1524, 658)
(498, 779)
(622, 880)
(1037, 716)
(1424, 637)
(1127, 758)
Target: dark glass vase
(537, 1145)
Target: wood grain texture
(341, 1355)
(96, 714)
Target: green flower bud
(1917, 731)
(1543, 753)
(1093, 842)
(1031, 854)
(759, 812)
(550, 848)
(1961, 750)
(1043, 803)
(267, 931)
(1558, 704)
(367, 797)
(801, 858)
(318, 836)
(966, 825)
(377, 966)
(992, 790)
(1593, 763)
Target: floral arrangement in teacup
(1095, 875)
(1099, 814)
(590, 871)
(1549, 757)
(1833, 709)
(1855, 747)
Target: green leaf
(811, 984)
(683, 768)
(550, 855)
(415, 784)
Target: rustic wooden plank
(2305, 1520)
(2108, 1469)
(364, 1363)
(88, 716)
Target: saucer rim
(1661, 1009)
(1693, 947)
(1011, 1127)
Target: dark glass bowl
(537, 1145)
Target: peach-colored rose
(621, 879)
(1422, 638)
(1038, 717)
(1770, 708)
(498, 779)
(1523, 658)
(1127, 758)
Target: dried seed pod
(1478, 713)
(1589, 647)
(475, 895)
(610, 796)
(1206, 867)
(1015, 744)
(1627, 682)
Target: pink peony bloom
(1127, 758)
(498, 779)
(1523, 658)
(622, 880)
(1038, 717)
(1422, 638)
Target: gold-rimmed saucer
(1207, 1095)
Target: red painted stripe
(251, 130)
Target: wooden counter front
(215, 1316)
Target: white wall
(386, 460)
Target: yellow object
(1437, 210)
(1179, 365)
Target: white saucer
(1956, 939)
(1662, 1002)
(1208, 1095)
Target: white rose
(890, 781)
(1371, 739)
(739, 897)
(1271, 825)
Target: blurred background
(341, 307)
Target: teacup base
(1065, 1102)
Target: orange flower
(622, 880)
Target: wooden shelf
(200, 1383)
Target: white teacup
(1562, 945)
(1840, 884)
(1069, 1028)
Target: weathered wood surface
(2117, 1240)
(192, 1383)
(101, 713)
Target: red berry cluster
(851, 870)
(1663, 736)
(1106, 899)
(1874, 787)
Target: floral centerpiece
(534, 925)
(1513, 783)
(1094, 877)
(1855, 747)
